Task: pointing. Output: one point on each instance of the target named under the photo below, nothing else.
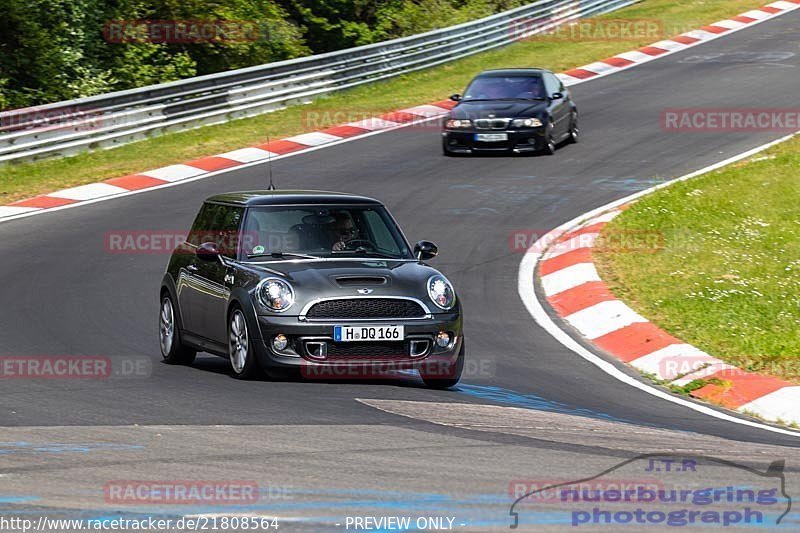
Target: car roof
(290, 197)
(507, 72)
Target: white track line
(525, 287)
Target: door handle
(192, 268)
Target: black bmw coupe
(282, 281)
(511, 110)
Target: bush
(53, 50)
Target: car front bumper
(312, 350)
(519, 141)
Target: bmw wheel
(169, 336)
(550, 143)
(240, 352)
(574, 131)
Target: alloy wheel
(238, 345)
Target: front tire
(453, 372)
(173, 350)
(550, 143)
(240, 348)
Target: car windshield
(505, 88)
(291, 232)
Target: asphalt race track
(343, 448)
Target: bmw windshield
(506, 88)
(297, 232)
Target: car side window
(202, 226)
(225, 228)
(552, 84)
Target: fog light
(443, 339)
(280, 342)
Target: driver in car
(342, 230)
(532, 88)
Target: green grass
(728, 277)
(25, 180)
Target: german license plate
(491, 137)
(368, 333)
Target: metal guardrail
(108, 120)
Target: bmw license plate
(491, 137)
(368, 333)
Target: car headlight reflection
(526, 123)
(456, 123)
(441, 292)
(275, 294)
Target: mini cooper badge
(492, 115)
(364, 291)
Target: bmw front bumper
(517, 140)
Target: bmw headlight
(441, 292)
(456, 123)
(275, 294)
(526, 123)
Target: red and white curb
(562, 246)
(206, 166)
(678, 43)
(209, 166)
(573, 288)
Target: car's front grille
(365, 308)
(492, 123)
(367, 350)
(502, 145)
(326, 350)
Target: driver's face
(346, 230)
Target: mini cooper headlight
(275, 294)
(441, 292)
(456, 123)
(526, 123)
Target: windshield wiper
(281, 255)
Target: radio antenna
(269, 168)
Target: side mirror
(208, 251)
(557, 96)
(424, 250)
(455, 97)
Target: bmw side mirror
(455, 97)
(208, 251)
(557, 96)
(424, 250)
